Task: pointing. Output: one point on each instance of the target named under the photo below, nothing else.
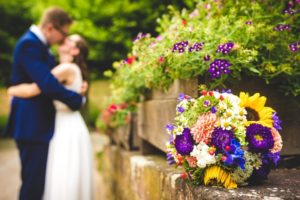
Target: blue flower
(235, 155)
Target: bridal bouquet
(223, 139)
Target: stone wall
(128, 175)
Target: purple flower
(282, 27)
(276, 121)
(180, 46)
(269, 157)
(225, 48)
(259, 137)
(249, 22)
(294, 46)
(196, 47)
(184, 143)
(169, 127)
(219, 67)
(227, 91)
(180, 109)
(170, 159)
(206, 57)
(221, 138)
(181, 97)
(206, 103)
(139, 36)
(213, 109)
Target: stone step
(129, 175)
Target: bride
(69, 165)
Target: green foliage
(259, 50)
(15, 19)
(108, 26)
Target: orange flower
(277, 141)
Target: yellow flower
(256, 110)
(217, 174)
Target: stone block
(153, 115)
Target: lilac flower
(170, 159)
(180, 46)
(221, 138)
(180, 109)
(282, 27)
(219, 67)
(206, 57)
(139, 36)
(276, 121)
(225, 48)
(169, 127)
(259, 137)
(294, 46)
(184, 143)
(227, 91)
(206, 103)
(181, 97)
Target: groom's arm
(36, 68)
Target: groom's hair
(57, 16)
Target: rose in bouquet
(224, 139)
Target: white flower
(203, 157)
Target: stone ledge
(132, 176)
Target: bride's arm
(63, 73)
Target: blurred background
(108, 26)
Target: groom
(31, 121)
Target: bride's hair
(81, 58)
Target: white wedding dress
(69, 165)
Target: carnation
(204, 127)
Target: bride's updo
(81, 58)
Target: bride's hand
(84, 88)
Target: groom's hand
(84, 88)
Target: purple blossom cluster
(180, 46)
(282, 27)
(225, 48)
(294, 46)
(184, 143)
(196, 47)
(289, 9)
(219, 67)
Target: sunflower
(256, 111)
(217, 174)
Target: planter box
(126, 136)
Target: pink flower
(192, 161)
(277, 141)
(204, 127)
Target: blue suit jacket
(33, 119)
